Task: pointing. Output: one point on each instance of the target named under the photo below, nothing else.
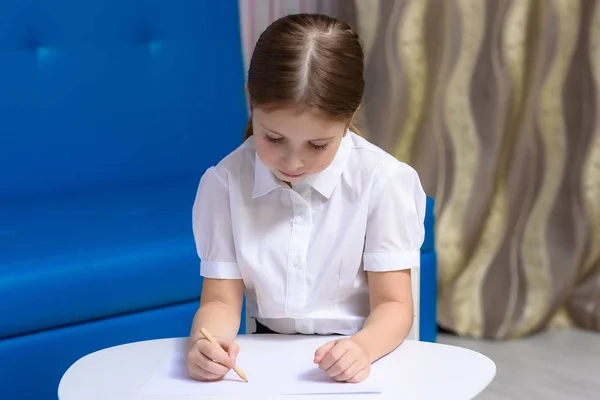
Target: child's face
(294, 145)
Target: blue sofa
(110, 111)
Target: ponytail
(354, 129)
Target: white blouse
(302, 252)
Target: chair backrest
(428, 247)
(108, 92)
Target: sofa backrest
(110, 92)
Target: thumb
(322, 352)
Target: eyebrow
(312, 140)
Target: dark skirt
(260, 328)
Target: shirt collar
(324, 182)
(264, 180)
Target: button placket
(296, 268)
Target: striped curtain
(497, 105)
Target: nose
(292, 163)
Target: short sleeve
(211, 220)
(395, 225)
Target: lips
(290, 175)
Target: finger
(322, 351)
(211, 366)
(233, 350)
(196, 372)
(333, 355)
(199, 374)
(216, 354)
(349, 373)
(360, 376)
(341, 365)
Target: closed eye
(271, 139)
(315, 147)
(319, 147)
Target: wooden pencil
(209, 337)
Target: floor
(556, 365)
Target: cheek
(266, 152)
(322, 160)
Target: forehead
(294, 123)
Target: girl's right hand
(206, 362)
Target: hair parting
(309, 62)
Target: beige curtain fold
(495, 103)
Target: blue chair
(111, 110)
(428, 280)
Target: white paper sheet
(273, 367)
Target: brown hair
(307, 61)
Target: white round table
(416, 370)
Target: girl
(317, 226)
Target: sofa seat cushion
(90, 255)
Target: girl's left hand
(343, 360)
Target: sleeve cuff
(380, 262)
(220, 270)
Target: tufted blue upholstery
(110, 111)
(126, 91)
